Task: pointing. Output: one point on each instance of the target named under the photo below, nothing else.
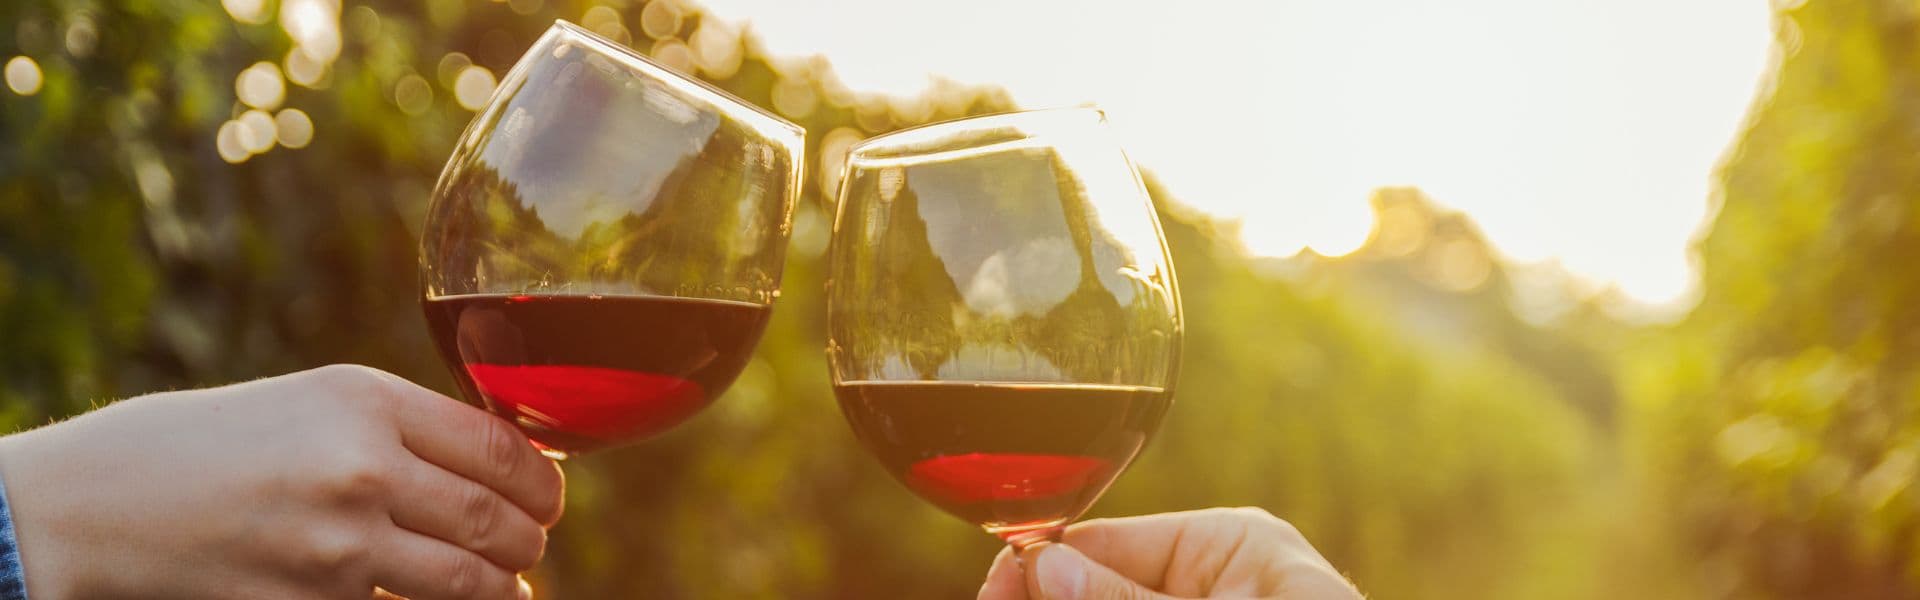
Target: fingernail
(526, 589)
(1062, 572)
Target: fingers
(1006, 580)
(1211, 552)
(1140, 548)
(526, 592)
(480, 447)
(1059, 572)
(440, 504)
(1273, 558)
(423, 568)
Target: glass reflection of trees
(677, 211)
(999, 267)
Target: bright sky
(1574, 130)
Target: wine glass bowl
(602, 251)
(1003, 320)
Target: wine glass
(603, 249)
(1003, 323)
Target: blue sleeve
(13, 579)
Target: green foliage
(1791, 391)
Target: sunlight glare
(1586, 132)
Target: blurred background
(1491, 300)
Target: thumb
(1060, 572)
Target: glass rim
(900, 143)
(634, 59)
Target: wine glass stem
(1027, 539)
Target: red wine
(1012, 457)
(578, 373)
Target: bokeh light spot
(314, 26)
(293, 127)
(260, 86)
(795, 98)
(364, 22)
(1399, 229)
(257, 131)
(251, 12)
(303, 70)
(82, 36)
(606, 22)
(674, 54)
(833, 158)
(1459, 265)
(450, 67)
(413, 95)
(23, 76)
(153, 179)
(228, 142)
(660, 19)
(716, 48)
(473, 87)
(910, 109)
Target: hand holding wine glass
(318, 484)
(1213, 553)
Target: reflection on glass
(604, 245)
(1002, 316)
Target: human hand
(319, 484)
(1212, 553)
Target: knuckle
(1251, 513)
(349, 374)
(356, 384)
(481, 510)
(465, 577)
(357, 479)
(504, 447)
(334, 553)
(1264, 523)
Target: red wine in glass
(579, 373)
(1007, 456)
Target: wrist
(53, 568)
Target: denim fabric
(13, 580)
